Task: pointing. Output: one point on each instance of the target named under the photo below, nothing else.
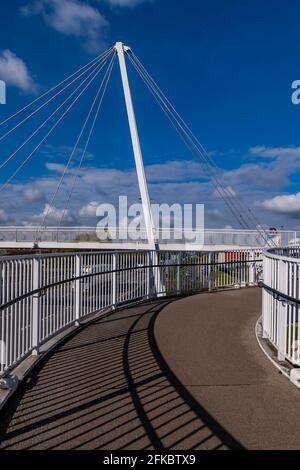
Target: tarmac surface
(180, 374)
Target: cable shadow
(108, 387)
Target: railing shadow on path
(108, 387)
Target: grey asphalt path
(209, 342)
(169, 374)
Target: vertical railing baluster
(114, 280)
(282, 310)
(77, 289)
(35, 306)
(209, 272)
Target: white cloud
(33, 195)
(260, 176)
(176, 181)
(286, 205)
(57, 167)
(226, 192)
(72, 18)
(89, 210)
(271, 170)
(215, 215)
(53, 215)
(176, 170)
(14, 72)
(275, 152)
(4, 219)
(99, 185)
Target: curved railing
(281, 301)
(44, 294)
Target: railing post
(282, 326)
(149, 277)
(209, 273)
(159, 288)
(282, 311)
(251, 267)
(114, 281)
(264, 314)
(265, 297)
(35, 307)
(178, 274)
(77, 290)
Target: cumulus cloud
(286, 205)
(98, 185)
(33, 195)
(72, 18)
(257, 176)
(216, 216)
(4, 219)
(275, 152)
(89, 210)
(175, 170)
(271, 170)
(226, 192)
(54, 215)
(176, 181)
(57, 167)
(15, 72)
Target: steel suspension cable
(105, 82)
(6, 134)
(52, 89)
(75, 147)
(223, 192)
(190, 146)
(175, 122)
(49, 132)
(98, 67)
(204, 152)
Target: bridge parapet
(281, 302)
(42, 295)
(116, 238)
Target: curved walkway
(168, 374)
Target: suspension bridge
(150, 345)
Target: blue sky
(227, 67)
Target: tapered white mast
(121, 50)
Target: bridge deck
(183, 374)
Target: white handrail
(281, 301)
(16, 236)
(42, 295)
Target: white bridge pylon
(121, 50)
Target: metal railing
(42, 295)
(92, 236)
(281, 302)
